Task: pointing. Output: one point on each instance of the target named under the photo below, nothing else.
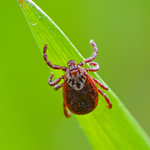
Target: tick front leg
(100, 84)
(54, 83)
(106, 98)
(95, 68)
(67, 114)
(93, 55)
(49, 63)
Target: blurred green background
(33, 120)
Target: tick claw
(109, 106)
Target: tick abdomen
(81, 101)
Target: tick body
(80, 93)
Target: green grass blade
(104, 128)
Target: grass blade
(104, 128)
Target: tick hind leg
(100, 84)
(54, 83)
(106, 98)
(67, 113)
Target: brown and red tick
(80, 92)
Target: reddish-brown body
(80, 92)
(81, 101)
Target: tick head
(72, 66)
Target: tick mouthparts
(73, 68)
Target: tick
(80, 93)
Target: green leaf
(105, 128)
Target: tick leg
(57, 86)
(54, 83)
(67, 114)
(49, 63)
(106, 98)
(100, 84)
(93, 55)
(95, 68)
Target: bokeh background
(32, 119)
